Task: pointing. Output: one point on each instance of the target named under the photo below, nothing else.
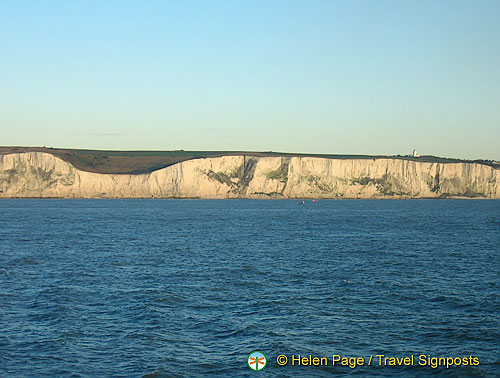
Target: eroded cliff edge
(39, 174)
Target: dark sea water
(186, 288)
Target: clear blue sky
(361, 77)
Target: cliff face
(38, 174)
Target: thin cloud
(104, 134)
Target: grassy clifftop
(136, 162)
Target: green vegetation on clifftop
(137, 162)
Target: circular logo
(256, 360)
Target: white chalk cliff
(39, 174)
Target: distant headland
(76, 173)
(137, 162)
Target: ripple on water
(189, 288)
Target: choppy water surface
(189, 287)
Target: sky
(335, 77)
